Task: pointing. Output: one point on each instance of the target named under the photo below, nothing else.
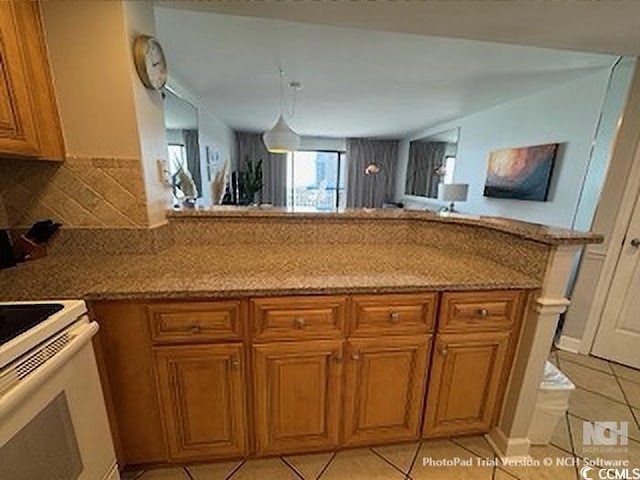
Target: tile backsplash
(79, 192)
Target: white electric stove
(53, 422)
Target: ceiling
(605, 26)
(356, 82)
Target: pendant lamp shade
(281, 139)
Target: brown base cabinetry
(297, 391)
(202, 397)
(384, 389)
(269, 376)
(465, 377)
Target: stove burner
(17, 319)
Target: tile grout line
(415, 457)
(610, 372)
(333, 455)
(573, 445)
(634, 440)
(624, 394)
(382, 457)
(294, 469)
(620, 376)
(235, 470)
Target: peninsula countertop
(254, 270)
(532, 231)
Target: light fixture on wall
(281, 138)
(452, 192)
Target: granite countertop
(226, 271)
(531, 231)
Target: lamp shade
(453, 192)
(281, 139)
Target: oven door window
(45, 448)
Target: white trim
(552, 306)
(569, 344)
(614, 238)
(508, 449)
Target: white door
(618, 336)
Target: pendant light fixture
(281, 138)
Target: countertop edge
(529, 231)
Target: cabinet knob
(483, 312)
(635, 243)
(235, 363)
(337, 357)
(195, 329)
(299, 323)
(394, 317)
(355, 356)
(443, 349)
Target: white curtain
(274, 166)
(370, 191)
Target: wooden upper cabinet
(480, 311)
(392, 314)
(202, 396)
(29, 121)
(298, 318)
(297, 390)
(384, 389)
(465, 382)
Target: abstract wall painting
(521, 173)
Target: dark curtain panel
(370, 191)
(274, 166)
(192, 149)
(424, 159)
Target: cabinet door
(18, 134)
(297, 395)
(384, 388)
(202, 395)
(465, 383)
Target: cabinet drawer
(477, 311)
(293, 318)
(392, 314)
(195, 322)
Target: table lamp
(452, 192)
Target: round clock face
(150, 62)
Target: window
(449, 165)
(177, 157)
(316, 180)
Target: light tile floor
(605, 392)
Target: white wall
(565, 114)
(140, 20)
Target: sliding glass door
(316, 181)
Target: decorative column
(510, 438)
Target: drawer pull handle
(394, 317)
(483, 312)
(443, 349)
(195, 329)
(355, 356)
(299, 323)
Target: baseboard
(508, 449)
(569, 344)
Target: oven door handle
(14, 397)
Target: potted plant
(252, 180)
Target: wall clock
(150, 62)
